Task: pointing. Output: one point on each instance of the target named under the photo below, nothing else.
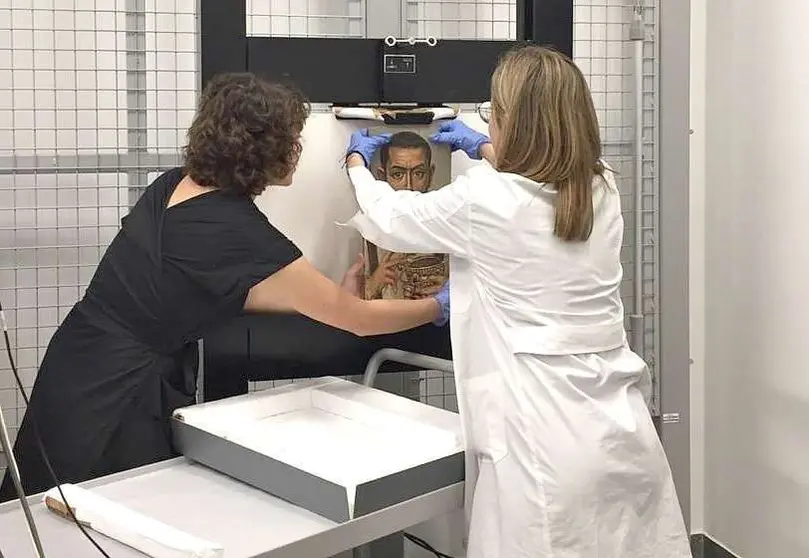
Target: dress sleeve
(406, 221)
(271, 250)
(230, 252)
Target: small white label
(671, 418)
(400, 64)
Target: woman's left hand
(354, 279)
(365, 144)
(442, 297)
(458, 135)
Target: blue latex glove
(442, 296)
(460, 136)
(365, 144)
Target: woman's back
(172, 272)
(551, 389)
(532, 277)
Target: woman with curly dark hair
(193, 252)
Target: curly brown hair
(245, 135)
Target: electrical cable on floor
(423, 544)
(42, 451)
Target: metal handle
(392, 41)
(403, 357)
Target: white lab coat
(563, 460)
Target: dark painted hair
(405, 140)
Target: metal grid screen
(100, 94)
(306, 18)
(442, 19)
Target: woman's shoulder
(244, 218)
(166, 181)
(487, 185)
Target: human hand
(354, 279)
(460, 136)
(384, 275)
(442, 297)
(365, 144)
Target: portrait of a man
(407, 162)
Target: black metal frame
(280, 346)
(351, 71)
(547, 22)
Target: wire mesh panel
(306, 18)
(165, 72)
(98, 95)
(603, 50)
(445, 19)
(61, 116)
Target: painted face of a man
(408, 168)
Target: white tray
(334, 447)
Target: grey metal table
(249, 523)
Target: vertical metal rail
(15, 477)
(201, 371)
(11, 462)
(136, 119)
(392, 546)
(655, 356)
(637, 36)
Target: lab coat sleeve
(406, 221)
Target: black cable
(423, 544)
(42, 451)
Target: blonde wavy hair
(548, 132)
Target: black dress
(125, 356)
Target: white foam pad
(128, 527)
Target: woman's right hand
(458, 135)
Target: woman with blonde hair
(563, 460)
